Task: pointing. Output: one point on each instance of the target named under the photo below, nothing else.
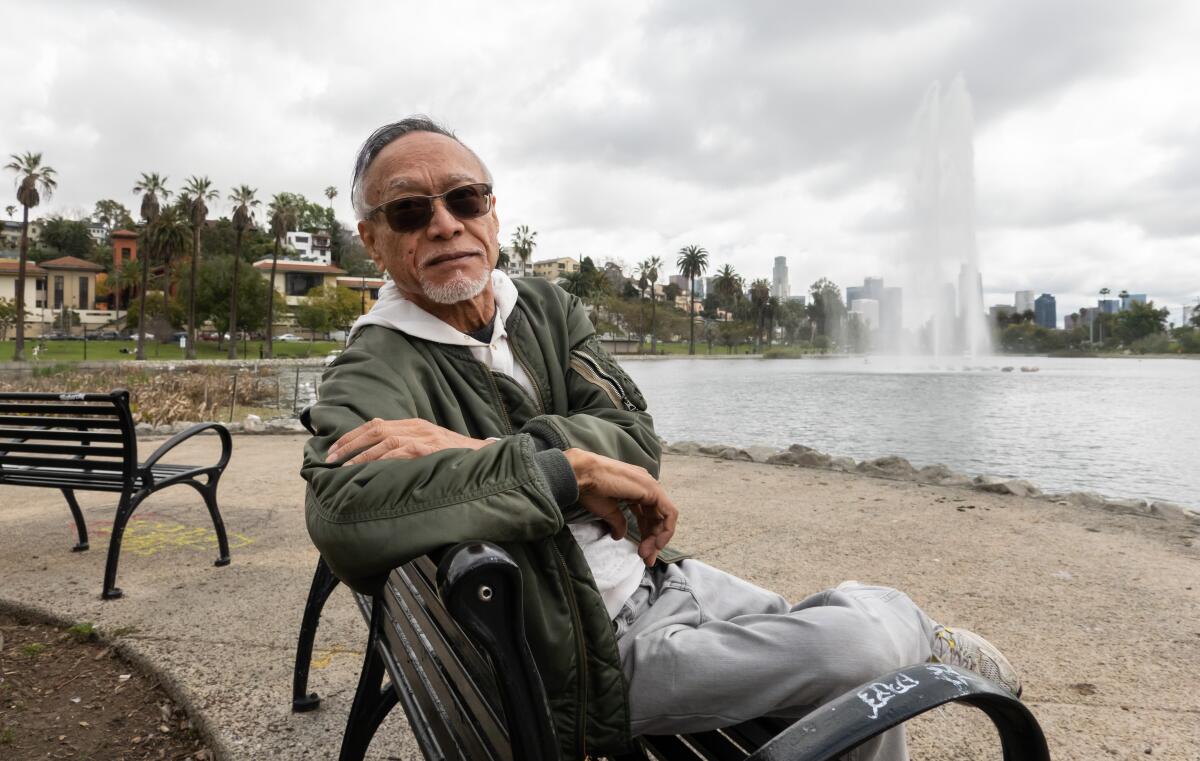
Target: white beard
(459, 288)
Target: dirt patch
(65, 694)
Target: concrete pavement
(1100, 611)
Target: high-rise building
(854, 292)
(873, 287)
(868, 309)
(1044, 311)
(1109, 306)
(780, 286)
(1023, 301)
(1129, 299)
(891, 310)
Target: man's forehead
(415, 161)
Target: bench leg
(372, 699)
(209, 493)
(80, 525)
(125, 509)
(323, 584)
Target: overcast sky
(621, 130)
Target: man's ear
(366, 232)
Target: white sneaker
(959, 647)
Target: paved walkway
(1100, 611)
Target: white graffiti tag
(879, 694)
(947, 674)
(77, 397)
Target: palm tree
(523, 242)
(168, 234)
(10, 210)
(198, 192)
(33, 181)
(243, 201)
(1103, 292)
(728, 285)
(152, 187)
(281, 214)
(760, 293)
(331, 193)
(650, 269)
(692, 263)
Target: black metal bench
(86, 442)
(450, 640)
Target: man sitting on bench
(470, 406)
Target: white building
(1023, 301)
(311, 247)
(868, 309)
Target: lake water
(1122, 427)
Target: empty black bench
(448, 638)
(86, 442)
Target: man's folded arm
(370, 517)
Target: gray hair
(385, 136)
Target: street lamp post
(362, 308)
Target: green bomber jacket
(369, 518)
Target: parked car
(289, 338)
(105, 335)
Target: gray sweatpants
(702, 649)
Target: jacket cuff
(545, 436)
(559, 475)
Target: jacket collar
(394, 311)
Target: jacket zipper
(537, 391)
(499, 399)
(595, 366)
(584, 369)
(581, 724)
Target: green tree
(198, 191)
(728, 286)
(650, 268)
(8, 316)
(153, 187)
(169, 311)
(68, 237)
(214, 292)
(692, 263)
(170, 236)
(112, 215)
(33, 180)
(524, 241)
(327, 308)
(243, 201)
(760, 294)
(281, 216)
(587, 282)
(731, 334)
(826, 309)
(1141, 320)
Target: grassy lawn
(681, 347)
(73, 351)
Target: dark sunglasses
(411, 213)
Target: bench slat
(106, 410)
(444, 685)
(33, 396)
(78, 449)
(57, 434)
(60, 463)
(60, 422)
(17, 478)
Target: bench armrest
(480, 585)
(872, 708)
(184, 435)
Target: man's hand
(604, 483)
(398, 439)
